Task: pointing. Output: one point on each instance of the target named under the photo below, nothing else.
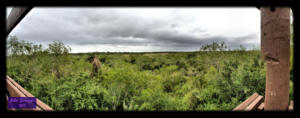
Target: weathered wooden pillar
(275, 49)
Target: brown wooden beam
(275, 49)
(15, 16)
(13, 91)
(14, 87)
(246, 103)
(254, 104)
(39, 103)
(261, 107)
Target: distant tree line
(16, 47)
(219, 46)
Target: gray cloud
(110, 27)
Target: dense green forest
(210, 79)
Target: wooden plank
(255, 103)
(15, 16)
(39, 103)
(291, 107)
(13, 91)
(19, 87)
(244, 104)
(275, 49)
(261, 107)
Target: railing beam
(15, 16)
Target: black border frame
(132, 3)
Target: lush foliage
(209, 80)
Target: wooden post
(275, 49)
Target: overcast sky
(140, 29)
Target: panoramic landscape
(178, 73)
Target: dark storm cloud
(103, 26)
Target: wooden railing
(255, 103)
(15, 90)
